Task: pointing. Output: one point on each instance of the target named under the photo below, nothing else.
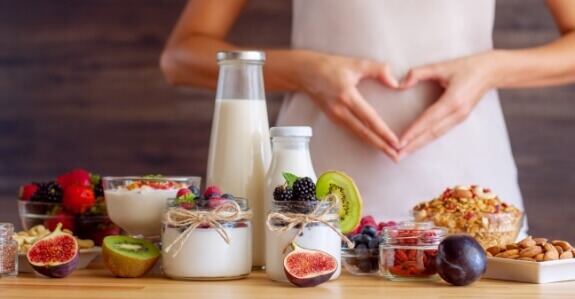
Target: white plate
(534, 272)
(86, 256)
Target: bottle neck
(240, 80)
(294, 143)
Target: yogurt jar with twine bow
(310, 224)
(207, 241)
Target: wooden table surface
(98, 282)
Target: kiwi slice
(129, 257)
(350, 202)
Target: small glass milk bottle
(290, 153)
(240, 149)
(8, 251)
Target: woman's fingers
(439, 118)
(371, 119)
(380, 72)
(344, 117)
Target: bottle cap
(295, 131)
(258, 56)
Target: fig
(350, 202)
(460, 260)
(308, 268)
(55, 255)
(129, 257)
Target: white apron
(404, 34)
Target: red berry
(183, 192)
(78, 199)
(64, 217)
(78, 177)
(212, 191)
(27, 191)
(103, 230)
(214, 202)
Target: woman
(400, 94)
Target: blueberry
(364, 265)
(369, 230)
(360, 246)
(227, 196)
(195, 190)
(374, 243)
(363, 239)
(355, 238)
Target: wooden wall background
(80, 87)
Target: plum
(460, 260)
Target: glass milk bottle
(290, 153)
(240, 149)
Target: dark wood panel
(80, 87)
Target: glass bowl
(136, 203)
(94, 224)
(489, 229)
(361, 261)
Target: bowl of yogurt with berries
(136, 203)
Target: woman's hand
(331, 82)
(465, 81)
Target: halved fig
(56, 255)
(308, 268)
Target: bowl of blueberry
(363, 259)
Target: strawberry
(27, 191)
(64, 217)
(78, 199)
(183, 192)
(212, 191)
(78, 177)
(103, 230)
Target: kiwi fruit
(350, 202)
(129, 257)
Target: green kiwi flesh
(129, 257)
(350, 202)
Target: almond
(566, 255)
(512, 246)
(563, 244)
(549, 247)
(540, 241)
(559, 249)
(462, 193)
(508, 253)
(551, 255)
(527, 242)
(531, 251)
(524, 258)
(539, 257)
(493, 250)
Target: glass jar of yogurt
(207, 241)
(284, 226)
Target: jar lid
(6, 230)
(257, 56)
(295, 131)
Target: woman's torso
(404, 34)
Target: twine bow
(318, 215)
(228, 211)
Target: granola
(473, 210)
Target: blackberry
(49, 192)
(283, 193)
(304, 189)
(99, 189)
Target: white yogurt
(205, 254)
(138, 211)
(319, 237)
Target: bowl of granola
(475, 211)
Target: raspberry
(304, 189)
(283, 193)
